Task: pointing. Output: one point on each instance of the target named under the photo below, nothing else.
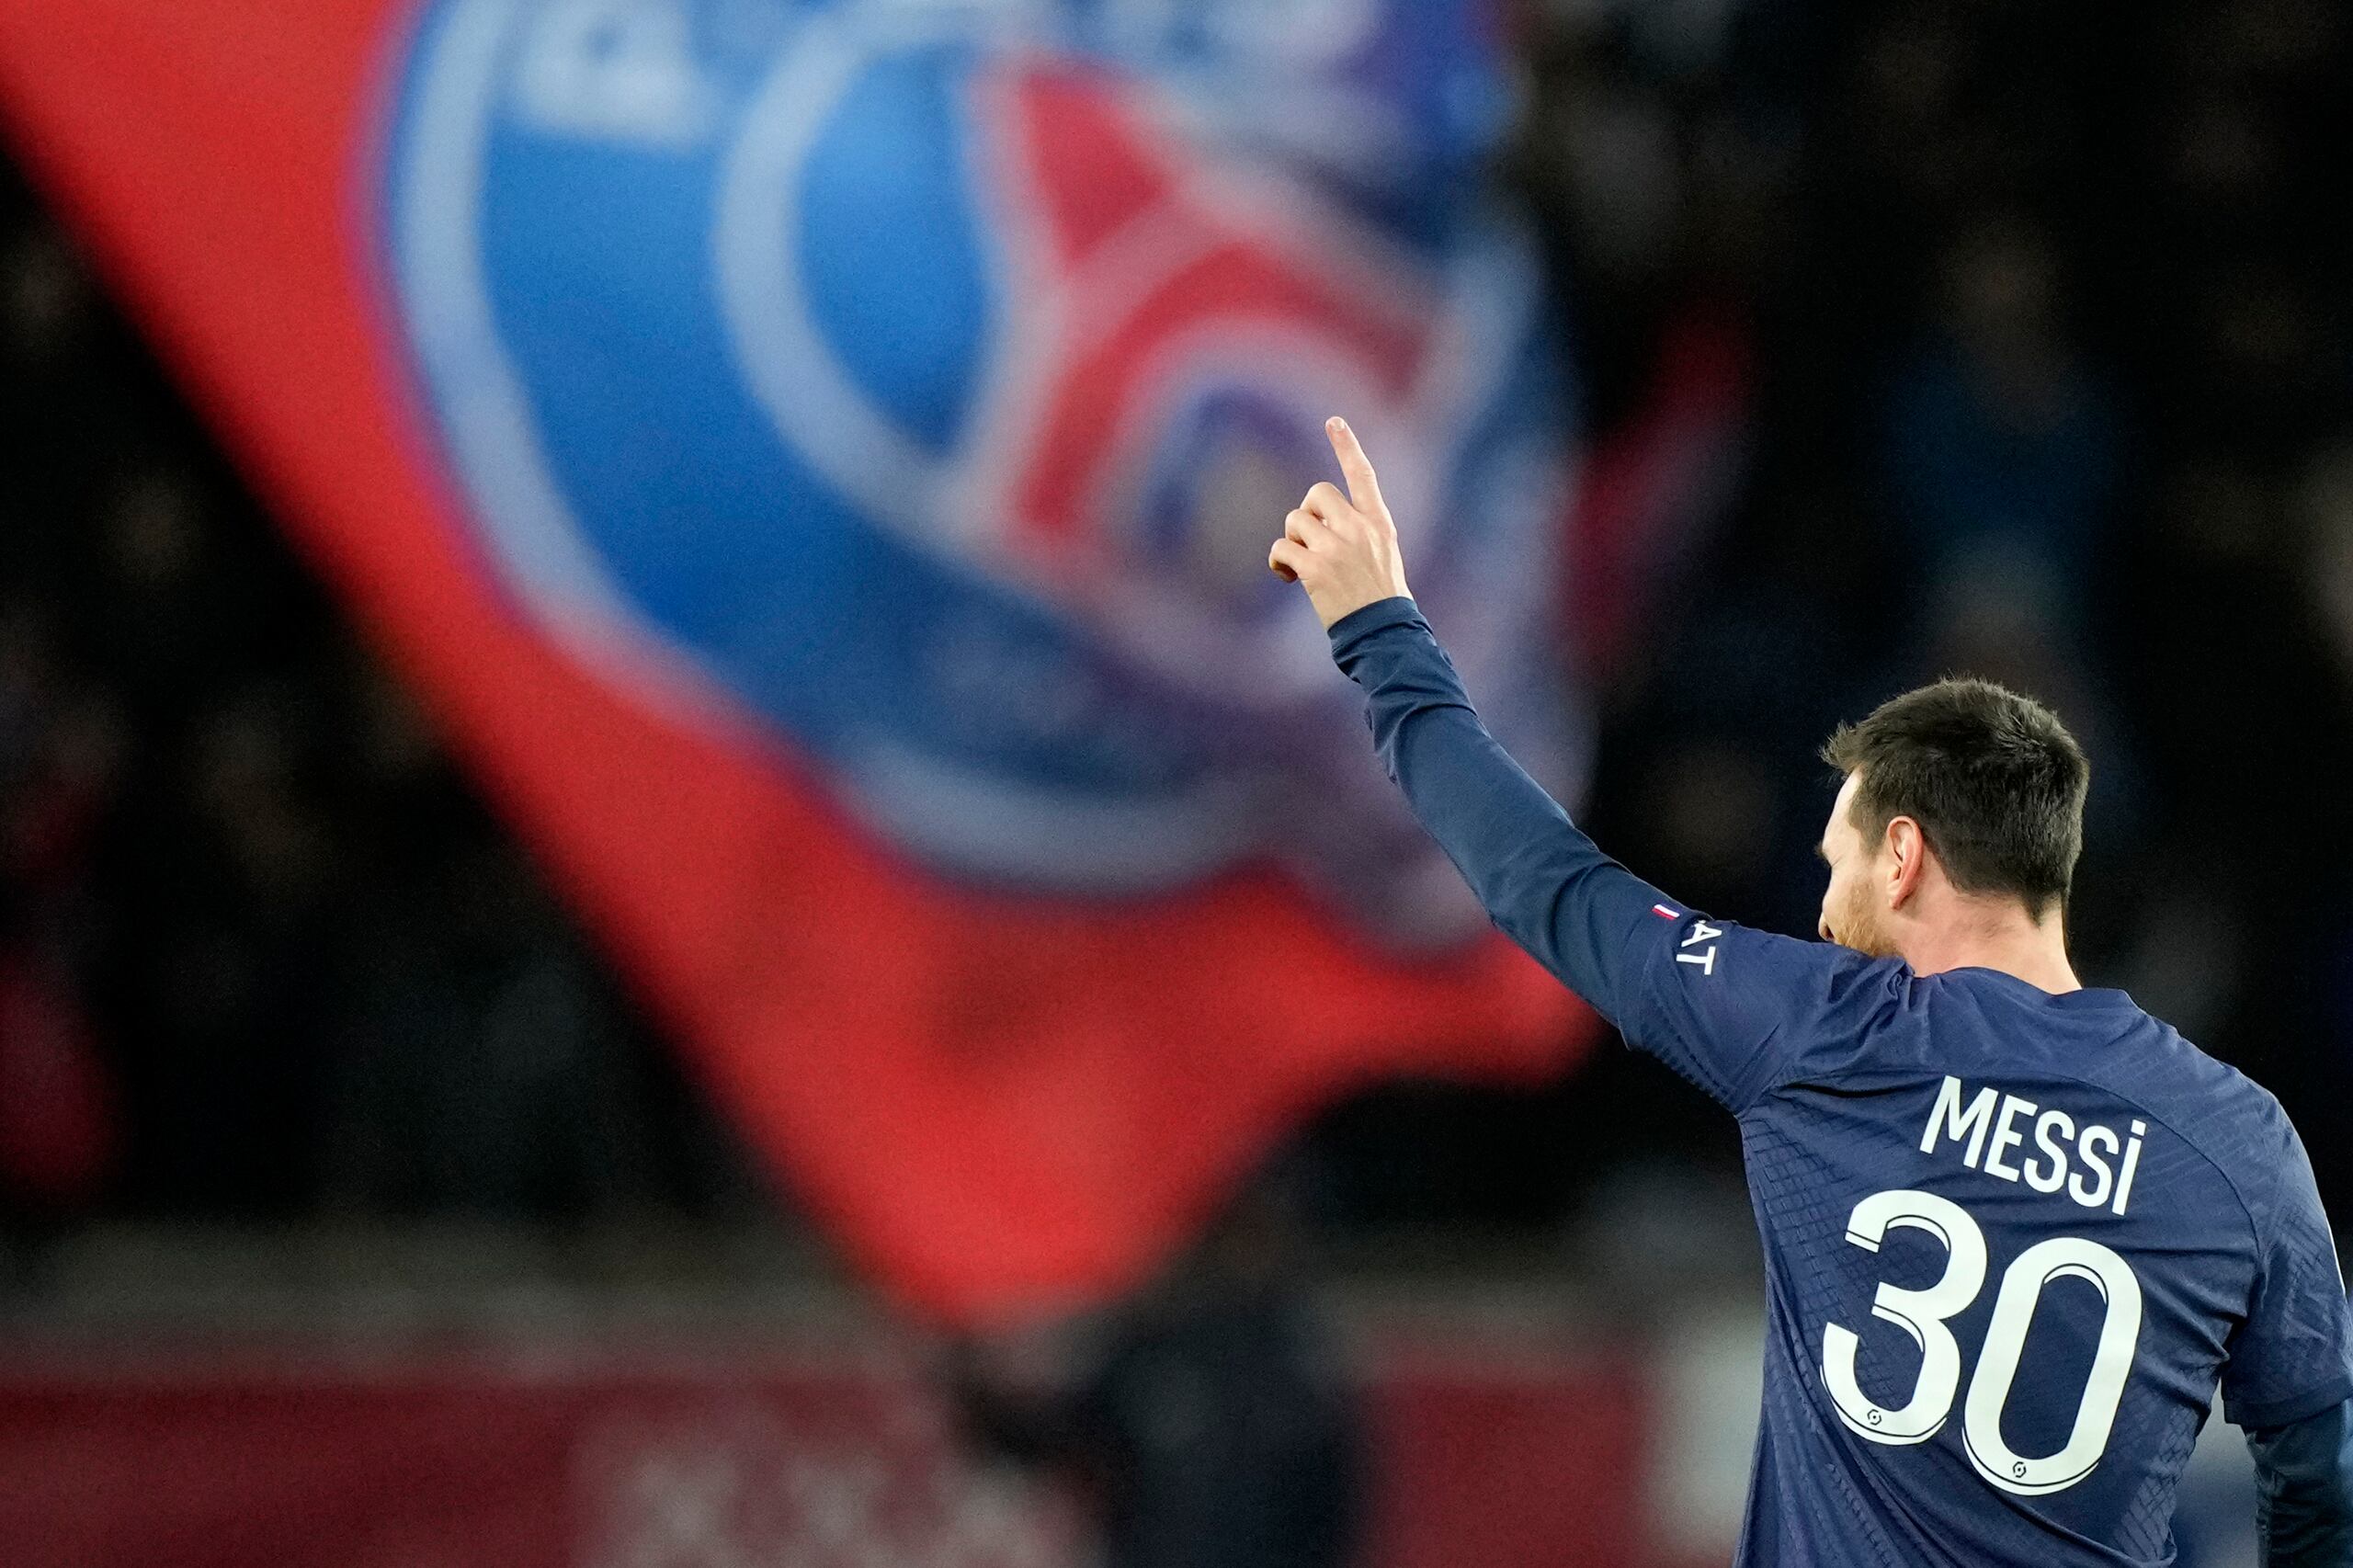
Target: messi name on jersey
(2081, 1162)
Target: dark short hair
(1993, 778)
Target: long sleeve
(2304, 1497)
(1543, 882)
(1726, 1006)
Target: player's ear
(1908, 849)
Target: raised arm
(1539, 878)
(1543, 882)
(1727, 1007)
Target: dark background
(2038, 314)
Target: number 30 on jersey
(1922, 1315)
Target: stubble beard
(1861, 927)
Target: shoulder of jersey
(2202, 1097)
(2236, 1123)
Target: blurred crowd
(1933, 335)
(2045, 309)
(262, 953)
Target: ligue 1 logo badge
(921, 388)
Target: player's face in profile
(1851, 915)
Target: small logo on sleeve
(1664, 912)
(1706, 957)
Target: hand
(1341, 548)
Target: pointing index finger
(1363, 488)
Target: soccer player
(2015, 1229)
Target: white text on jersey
(1995, 1123)
(1706, 957)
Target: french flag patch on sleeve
(1664, 912)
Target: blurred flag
(58, 1133)
(819, 458)
(1656, 482)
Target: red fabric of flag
(998, 1098)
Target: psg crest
(917, 386)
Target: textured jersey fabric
(2012, 1239)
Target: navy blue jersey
(2013, 1239)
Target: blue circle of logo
(927, 389)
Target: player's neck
(2035, 952)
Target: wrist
(1398, 609)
